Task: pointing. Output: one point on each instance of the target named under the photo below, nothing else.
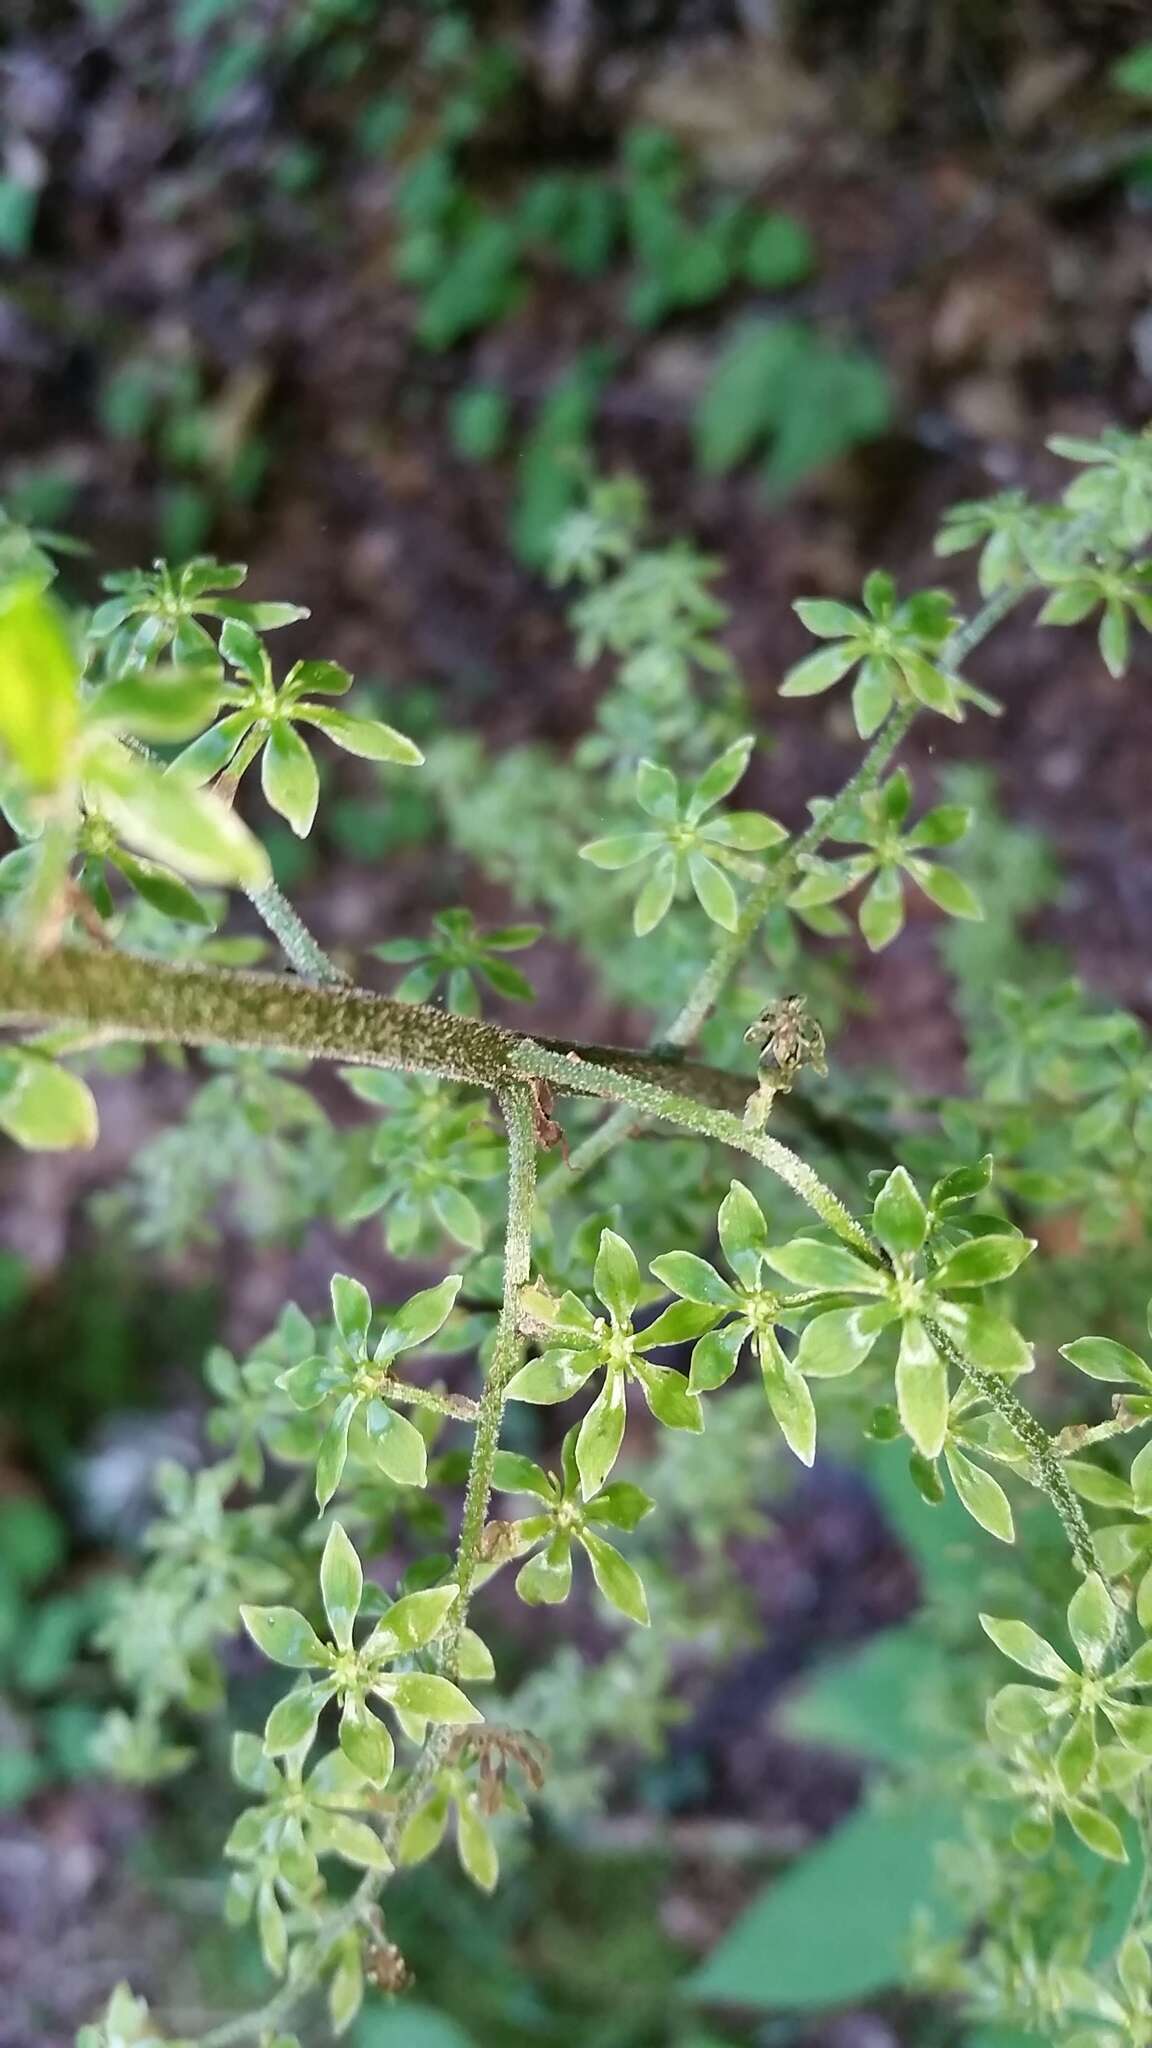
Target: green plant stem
(670, 1107)
(1042, 1449)
(458, 1406)
(507, 1352)
(300, 948)
(152, 1002)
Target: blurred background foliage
(366, 293)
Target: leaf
(657, 790)
(655, 898)
(899, 1217)
(171, 820)
(352, 1308)
(369, 738)
(669, 1399)
(512, 1473)
(366, 1743)
(838, 1341)
(622, 850)
(621, 1505)
(721, 776)
(616, 1276)
(982, 1260)
(546, 1579)
(679, 1323)
(162, 707)
(39, 699)
(790, 1401)
(432, 1697)
(828, 619)
(341, 1585)
(983, 1496)
(397, 1445)
(420, 1317)
(601, 1434)
(743, 1232)
(333, 1452)
(946, 889)
(292, 1721)
(818, 672)
(43, 1106)
(1096, 1831)
(161, 889)
(714, 1358)
(808, 1263)
(881, 913)
(693, 1279)
(289, 778)
(411, 1622)
(620, 1584)
(340, 1835)
(922, 1389)
(1025, 1647)
(1092, 1621)
(476, 1849)
(714, 892)
(285, 1636)
(868, 1879)
(554, 1376)
(1103, 1359)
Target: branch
(124, 995)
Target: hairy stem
(300, 948)
(507, 1353)
(1042, 1449)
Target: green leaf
(366, 1743)
(1103, 1359)
(163, 890)
(333, 1452)
(289, 779)
(714, 892)
(827, 619)
(352, 1308)
(546, 1579)
(1025, 1647)
(554, 1376)
(512, 1473)
(1096, 1831)
(677, 1324)
(881, 914)
(922, 1389)
(657, 790)
(619, 1583)
(983, 1496)
(743, 1232)
(982, 1260)
(153, 706)
(601, 1434)
(899, 1217)
(946, 889)
(790, 1401)
(622, 850)
(808, 1263)
(397, 1445)
(341, 1585)
(872, 1876)
(285, 1636)
(668, 1397)
(721, 776)
(369, 738)
(292, 1721)
(420, 1317)
(693, 1279)
(358, 1844)
(714, 1358)
(411, 1622)
(1092, 1621)
(44, 1107)
(616, 1276)
(655, 898)
(431, 1697)
(39, 699)
(171, 820)
(621, 1505)
(477, 1850)
(838, 1341)
(872, 695)
(819, 672)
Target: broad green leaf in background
(836, 1924)
(39, 703)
